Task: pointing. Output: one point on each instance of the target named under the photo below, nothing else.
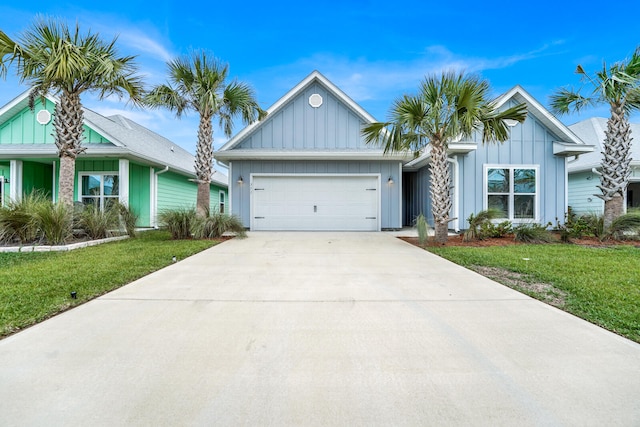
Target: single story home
(583, 181)
(307, 167)
(123, 161)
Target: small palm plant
(477, 221)
(423, 229)
(626, 227)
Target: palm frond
(567, 100)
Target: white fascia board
(461, 148)
(307, 155)
(18, 103)
(540, 113)
(564, 149)
(315, 75)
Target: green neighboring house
(123, 160)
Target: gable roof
(127, 139)
(299, 88)
(569, 145)
(592, 131)
(232, 150)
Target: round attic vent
(43, 117)
(315, 100)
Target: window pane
(498, 180)
(524, 206)
(111, 185)
(94, 201)
(500, 203)
(109, 202)
(91, 185)
(524, 180)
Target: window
(222, 200)
(512, 190)
(99, 189)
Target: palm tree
(619, 87)
(199, 84)
(53, 59)
(446, 107)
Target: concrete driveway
(352, 329)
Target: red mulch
(509, 240)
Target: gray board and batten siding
(530, 144)
(313, 131)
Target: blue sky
(374, 51)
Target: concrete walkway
(323, 329)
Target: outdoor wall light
(240, 180)
(390, 180)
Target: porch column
(15, 180)
(123, 180)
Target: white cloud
(141, 42)
(366, 80)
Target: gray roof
(128, 139)
(591, 131)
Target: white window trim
(102, 196)
(510, 166)
(222, 202)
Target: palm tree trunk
(203, 165)
(616, 160)
(440, 190)
(68, 123)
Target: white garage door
(317, 202)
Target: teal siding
(582, 190)
(23, 128)
(37, 176)
(175, 191)
(214, 204)
(4, 171)
(140, 193)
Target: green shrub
(476, 221)
(96, 223)
(128, 219)
(423, 229)
(533, 233)
(179, 222)
(17, 219)
(215, 225)
(489, 229)
(55, 222)
(579, 226)
(626, 227)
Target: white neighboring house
(583, 180)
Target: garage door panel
(315, 203)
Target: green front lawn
(35, 286)
(601, 285)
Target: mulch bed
(509, 241)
